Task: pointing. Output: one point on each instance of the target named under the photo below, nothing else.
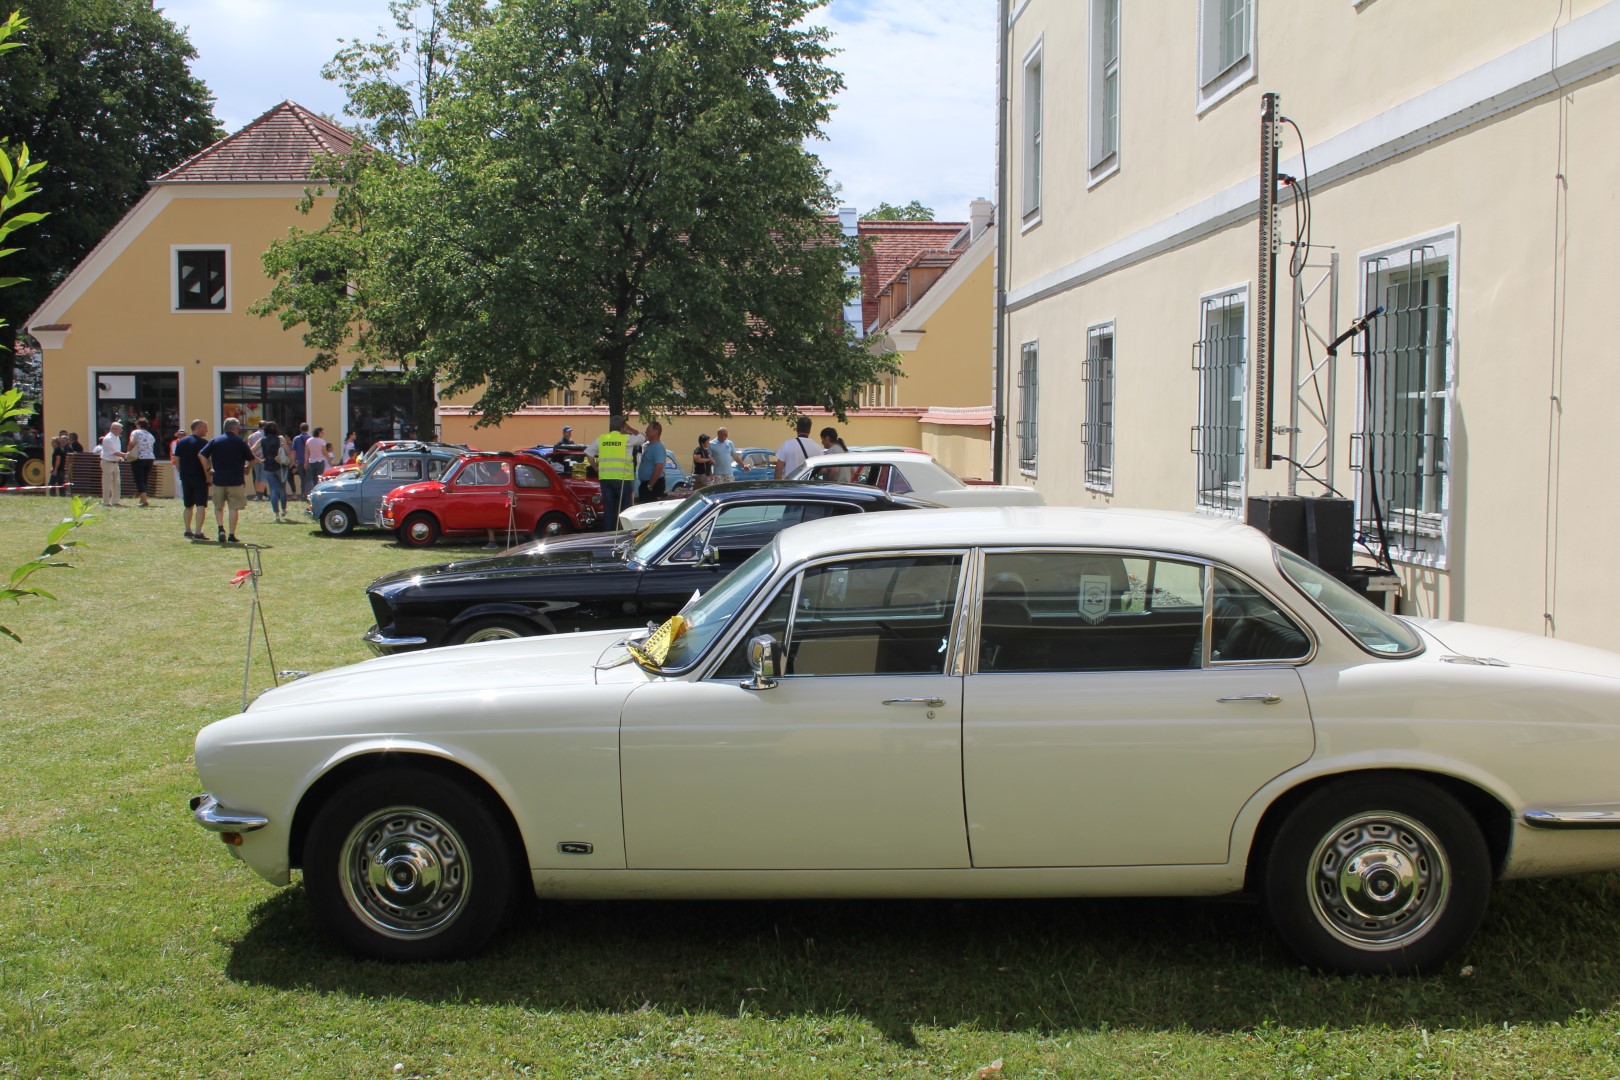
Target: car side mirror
(710, 556)
(765, 658)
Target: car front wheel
(419, 530)
(492, 629)
(337, 521)
(1378, 875)
(407, 865)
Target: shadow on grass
(1545, 954)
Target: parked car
(993, 702)
(343, 504)
(503, 492)
(758, 463)
(371, 453)
(914, 472)
(602, 579)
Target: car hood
(576, 553)
(417, 490)
(1519, 649)
(461, 672)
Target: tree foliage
(912, 211)
(614, 191)
(104, 94)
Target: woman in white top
(141, 456)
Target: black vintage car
(604, 580)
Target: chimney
(981, 212)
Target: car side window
(437, 467)
(530, 477)
(878, 616)
(1249, 626)
(1089, 611)
(483, 474)
(404, 469)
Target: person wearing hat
(702, 464)
(567, 439)
(614, 457)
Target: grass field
(132, 945)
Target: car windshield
(1372, 628)
(656, 538)
(711, 613)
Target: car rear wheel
(408, 865)
(493, 629)
(1378, 875)
(419, 530)
(553, 524)
(337, 520)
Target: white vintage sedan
(949, 703)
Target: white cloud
(915, 120)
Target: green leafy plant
(60, 540)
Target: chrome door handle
(1264, 699)
(931, 702)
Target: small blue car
(343, 504)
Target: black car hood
(571, 555)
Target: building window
(1220, 360)
(1098, 375)
(199, 280)
(254, 398)
(1104, 90)
(1032, 134)
(1028, 407)
(1404, 442)
(128, 396)
(1225, 48)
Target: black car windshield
(711, 613)
(656, 538)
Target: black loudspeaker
(1322, 530)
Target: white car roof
(1221, 539)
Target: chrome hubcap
(405, 872)
(1378, 881)
(493, 633)
(336, 521)
(419, 532)
(551, 528)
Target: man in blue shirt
(188, 467)
(297, 474)
(650, 469)
(226, 460)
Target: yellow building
(154, 321)
(1459, 161)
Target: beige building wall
(1462, 122)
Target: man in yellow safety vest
(614, 455)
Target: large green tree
(103, 93)
(618, 191)
(912, 211)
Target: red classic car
(489, 492)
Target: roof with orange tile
(278, 147)
(895, 244)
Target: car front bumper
(384, 645)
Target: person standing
(111, 452)
(259, 491)
(702, 464)
(832, 444)
(275, 456)
(59, 459)
(303, 486)
(650, 467)
(226, 460)
(567, 438)
(797, 450)
(726, 458)
(188, 468)
(615, 470)
(348, 448)
(315, 459)
(142, 456)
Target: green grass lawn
(131, 944)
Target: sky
(916, 118)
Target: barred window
(1220, 359)
(1406, 402)
(1028, 406)
(1098, 374)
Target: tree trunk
(424, 407)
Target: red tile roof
(278, 147)
(895, 244)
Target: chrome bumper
(207, 812)
(383, 645)
(1575, 817)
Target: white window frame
(174, 279)
(1433, 549)
(1034, 103)
(1218, 81)
(1102, 159)
(1100, 480)
(1232, 506)
(1029, 407)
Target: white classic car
(895, 470)
(951, 703)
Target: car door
(533, 495)
(851, 760)
(1096, 732)
(479, 497)
(384, 476)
